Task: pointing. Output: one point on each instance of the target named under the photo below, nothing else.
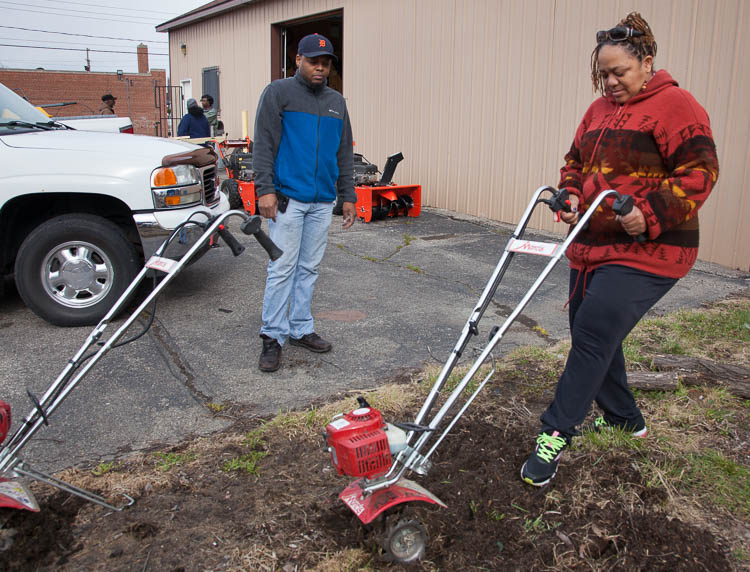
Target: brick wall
(134, 92)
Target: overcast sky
(114, 25)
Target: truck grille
(209, 185)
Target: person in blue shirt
(194, 123)
(303, 160)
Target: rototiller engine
(378, 454)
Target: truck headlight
(176, 186)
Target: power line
(113, 7)
(65, 10)
(83, 35)
(77, 50)
(85, 17)
(64, 43)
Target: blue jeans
(302, 233)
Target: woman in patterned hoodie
(648, 138)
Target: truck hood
(117, 144)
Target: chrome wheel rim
(77, 274)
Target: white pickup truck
(80, 211)
(102, 123)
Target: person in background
(194, 123)
(648, 138)
(207, 102)
(107, 106)
(303, 157)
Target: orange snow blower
(237, 156)
(379, 198)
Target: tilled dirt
(597, 514)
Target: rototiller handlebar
(14, 493)
(362, 445)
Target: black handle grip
(622, 206)
(252, 226)
(274, 252)
(232, 242)
(560, 201)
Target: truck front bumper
(154, 227)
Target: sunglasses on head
(617, 34)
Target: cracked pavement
(392, 297)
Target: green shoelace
(549, 446)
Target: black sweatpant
(601, 316)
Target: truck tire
(232, 189)
(71, 269)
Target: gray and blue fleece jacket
(303, 143)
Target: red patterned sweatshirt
(657, 147)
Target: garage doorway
(286, 35)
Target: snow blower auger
(378, 197)
(378, 453)
(13, 492)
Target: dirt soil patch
(192, 512)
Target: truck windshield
(17, 115)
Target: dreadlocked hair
(639, 47)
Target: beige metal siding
(483, 96)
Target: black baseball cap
(108, 96)
(315, 45)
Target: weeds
(701, 333)
(169, 460)
(538, 525)
(724, 481)
(104, 468)
(247, 463)
(495, 515)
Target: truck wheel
(71, 269)
(232, 189)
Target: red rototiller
(14, 493)
(379, 453)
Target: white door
(187, 93)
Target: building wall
(134, 93)
(483, 97)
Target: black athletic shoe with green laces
(601, 424)
(541, 465)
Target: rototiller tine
(362, 445)
(14, 493)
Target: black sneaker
(312, 342)
(601, 424)
(541, 465)
(270, 356)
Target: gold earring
(643, 87)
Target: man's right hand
(571, 216)
(267, 206)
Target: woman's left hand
(634, 223)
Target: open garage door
(286, 35)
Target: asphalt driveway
(392, 296)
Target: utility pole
(87, 67)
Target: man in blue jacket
(194, 123)
(302, 158)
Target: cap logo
(322, 43)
